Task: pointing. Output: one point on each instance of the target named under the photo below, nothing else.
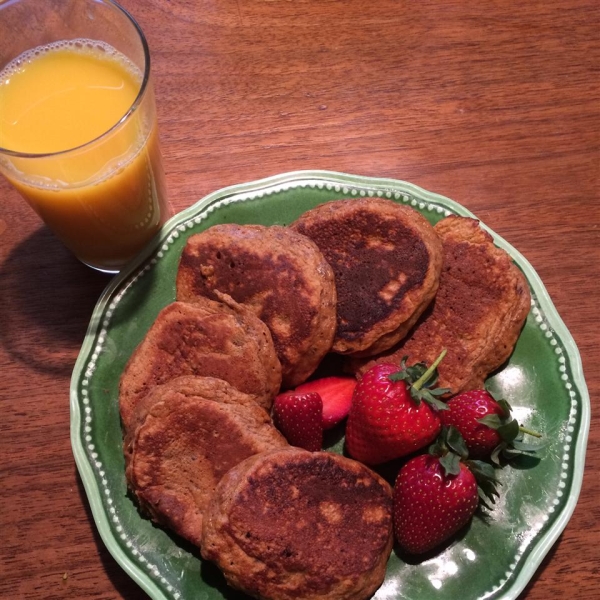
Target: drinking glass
(105, 197)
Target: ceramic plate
(495, 558)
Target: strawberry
(430, 506)
(299, 418)
(486, 425)
(388, 418)
(436, 495)
(336, 393)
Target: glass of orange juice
(78, 128)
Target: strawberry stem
(418, 384)
(529, 432)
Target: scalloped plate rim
(542, 546)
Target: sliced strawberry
(299, 418)
(336, 393)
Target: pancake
(386, 259)
(207, 338)
(291, 524)
(478, 313)
(185, 442)
(279, 275)
(208, 388)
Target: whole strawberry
(390, 415)
(436, 495)
(486, 425)
(429, 506)
(299, 417)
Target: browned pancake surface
(291, 524)
(208, 388)
(185, 442)
(204, 339)
(480, 308)
(386, 259)
(280, 275)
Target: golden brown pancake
(291, 524)
(480, 308)
(386, 258)
(204, 339)
(185, 442)
(208, 388)
(280, 275)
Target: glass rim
(134, 105)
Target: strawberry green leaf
(497, 452)
(485, 475)
(400, 376)
(417, 370)
(431, 380)
(484, 498)
(420, 380)
(511, 453)
(483, 471)
(524, 447)
(509, 431)
(403, 362)
(438, 391)
(493, 421)
(451, 463)
(438, 448)
(410, 374)
(519, 448)
(506, 408)
(510, 450)
(455, 441)
(428, 396)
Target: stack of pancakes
(257, 310)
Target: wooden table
(494, 104)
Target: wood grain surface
(494, 104)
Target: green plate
(543, 381)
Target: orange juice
(86, 163)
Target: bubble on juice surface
(81, 45)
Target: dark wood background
(494, 104)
